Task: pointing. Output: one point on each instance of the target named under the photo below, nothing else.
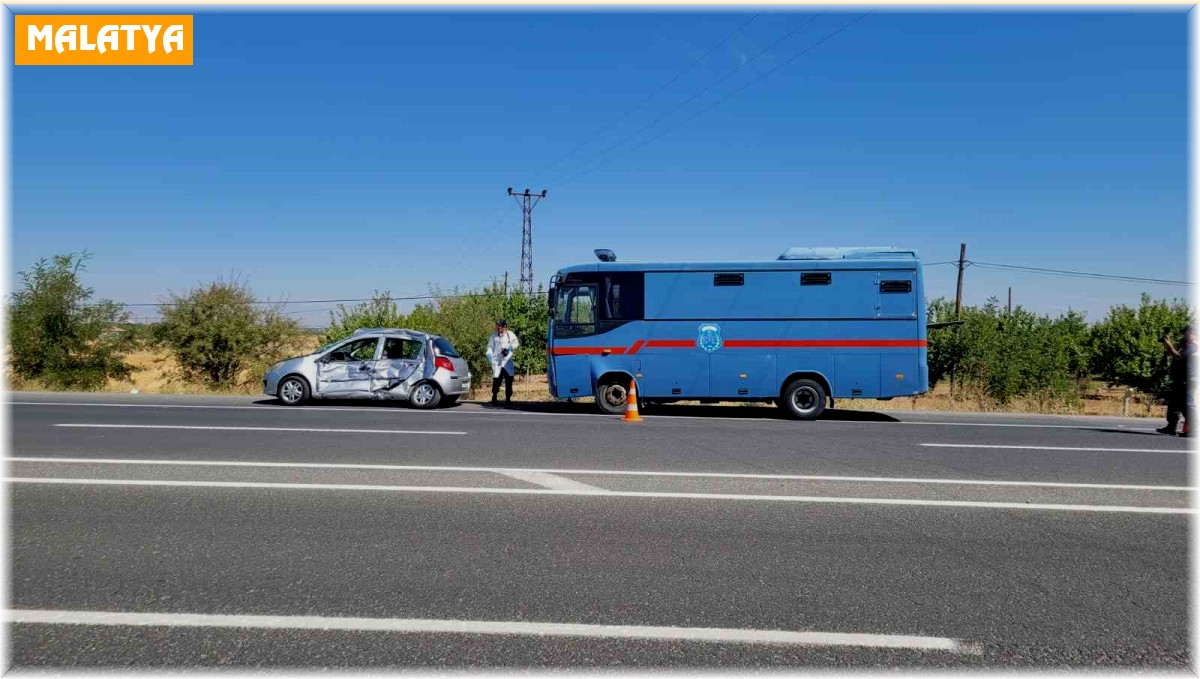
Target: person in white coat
(501, 346)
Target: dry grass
(156, 372)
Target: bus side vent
(728, 279)
(895, 286)
(816, 278)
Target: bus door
(573, 323)
(898, 368)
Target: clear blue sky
(329, 155)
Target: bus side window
(624, 297)
(895, 286)
(816, 278)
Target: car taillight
(444, 363)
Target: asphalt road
(190, 531)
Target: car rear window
(444, 347)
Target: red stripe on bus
(584, 351)
(670, 344)
(821, 343)
(741, 344)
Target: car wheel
(425, 395)
(611, 396)
(803, 399)
(293, 390)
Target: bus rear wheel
(612, 396)
(803, 399)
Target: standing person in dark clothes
(1179, 398)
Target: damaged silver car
(376, 363)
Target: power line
(332, 301)
(729, 96)
(706, 88)
(1079, 274)
(654, 94)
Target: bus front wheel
(803, 399)
(611, 396)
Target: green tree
(947, 347)
(218, 331)
(1128, 343)
(379, 312)
(467, 319)
(1003, 355)
(58, 336)
(527, 316)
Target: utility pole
(1010, 299)
(962, 264)
(527, 201)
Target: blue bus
(814, 325)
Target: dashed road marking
(1062, 448)
(276, 429)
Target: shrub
(58, 336)
(217, 331)
(1128, 343)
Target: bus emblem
(710, 337)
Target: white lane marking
(1067, 448)
(542, 629)
(307, 408)
(608, 493)
(300, 429)
(546, 480)
(596, 472)
(503, 413)
(1015, 424)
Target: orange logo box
(103, 40)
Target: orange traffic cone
(631, 411)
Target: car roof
(415, 334)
